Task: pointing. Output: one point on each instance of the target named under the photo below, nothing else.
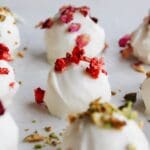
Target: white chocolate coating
(7, 92)
(83, 135)
(73, 90)
(9, 133)
(59, 41)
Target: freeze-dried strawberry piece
(96, 65)
(2, 109)
(39, 95)
(74, 27)
(124, 41)
(4, 71)
(77, 55)
(82, 40)
(4, 53)
(60, 64)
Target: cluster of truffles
(78, 75)
(9, 41)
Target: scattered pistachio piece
(35, 137)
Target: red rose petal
(74, 27)
(39, 95)
(2, 109)
(4, 71)
(82, 40)
(4, 53)
(124, 40)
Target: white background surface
(117, 17)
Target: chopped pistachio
(113, 93)
(47, 129)
(35, 137)
(38, 146)
(33, 121)
(2, 18)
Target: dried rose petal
(4, 71)
(66, 18)
(39, 95)
(84, 10)
(124, 40)
(2, 109)
(60, 65)
(82, 40)
(74, 27)
(77, 55)
(4, 53)
(12, 84)
(66, 9)
(66, 14)
(47, 24)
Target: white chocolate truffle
(140, 41)
(9, 133)
(9, 33)
(59, 41)
(145, 93)
(104, 130)
(8, 85)
(73, 90)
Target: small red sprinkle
(96, 65)
(74, 27)
(39, 95)
(4, 53)
(82, 40)
(60, 64)
(84, 10)
(2, 109)
(12, 84)
(124, 41)
(4, 71)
